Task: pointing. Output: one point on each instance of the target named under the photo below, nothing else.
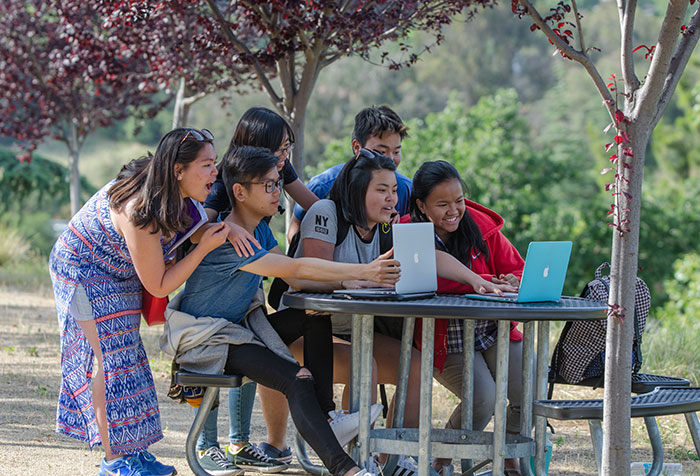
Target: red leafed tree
(635, 105)
(286, 44)
(182, 48)
(63, 75)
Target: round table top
(452, 307)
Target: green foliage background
(523, 126)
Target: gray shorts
(80, 307)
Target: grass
(30, 274)
(672, 348)
(13, 247)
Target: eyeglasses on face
(202, 135)
(270, 185)
(285, 150)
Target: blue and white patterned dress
(91, 252)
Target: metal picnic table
(426, 442)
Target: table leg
(403, 370)
(367, 342)
(528, 387)
(467, 382)
(541, 394)
(691, 419)
(355, 353)
(426, 397)
(401, 385)
(499, 417)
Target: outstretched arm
(449, 267)
(304, 273)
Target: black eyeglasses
(285, 150)
(202, 135)
(270, 185)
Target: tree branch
(650, 93)
(578, 26)
(241, 47)
(286, 78)
(310, 72)
(578, 56)
(627, 10)
(330, 59)
(257, 7)
(188, 101)
(678, 63)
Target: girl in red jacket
(471, 233)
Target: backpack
(279, 286)
(579, 354)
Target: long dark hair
(350, 187)
(152, 181)
(468, 236)
(261, 127)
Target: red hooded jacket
(503, 259)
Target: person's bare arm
(241, 240)
(301, 194)
(147, 255)
(305, 271)
(451, 268)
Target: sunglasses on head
(201, 135)
(367, 154)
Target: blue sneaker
(126, 466)
(283, 455)
(154, 467)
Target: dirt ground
(29, 384)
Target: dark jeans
(310, 398)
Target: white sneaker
(346, 425)
(406, 466)
(364, 472)
(374, 412)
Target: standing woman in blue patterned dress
(120, 240)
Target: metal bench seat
(644, 383)
(189, 379)
(212, 384)
(661, 401)
(641, 382)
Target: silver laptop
(546, 263)
(414, 248)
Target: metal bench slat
(641, 382)
(662, 401)
(190, 379)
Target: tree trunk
(618, 355)
(297, 158)
(74, 156)
(182, 107)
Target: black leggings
(310, 398)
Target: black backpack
(279, 286)
(577, 357)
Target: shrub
(673, 338)
(13, 246)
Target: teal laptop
(546, 263)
